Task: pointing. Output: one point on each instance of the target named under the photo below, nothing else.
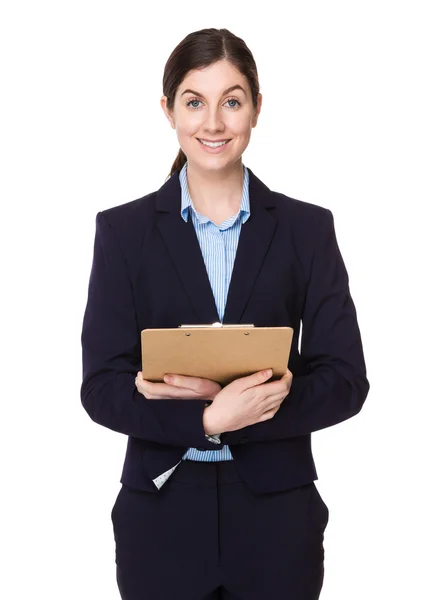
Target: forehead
(214, 78)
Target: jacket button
(243, 440)
(202, 449)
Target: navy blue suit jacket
(148, 272)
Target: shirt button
(243, 440)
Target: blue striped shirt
(218, 244)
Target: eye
(191, 102)
(234, 100)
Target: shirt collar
(186, 201)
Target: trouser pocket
(322, 510)
(116, 503)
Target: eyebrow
(228, 91)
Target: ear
(258, 109)
(169, 116)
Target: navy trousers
(206, 536)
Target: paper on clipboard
(216, 351)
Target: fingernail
(268, 372)
(169, 378)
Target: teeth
(214, 145)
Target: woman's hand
(181, 387)
(246, 401)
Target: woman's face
(207, 107)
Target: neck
(216, 192)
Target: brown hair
(199, 50)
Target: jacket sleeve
(111, 357)
(334, 385)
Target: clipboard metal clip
(217, 324)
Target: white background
(345, 123)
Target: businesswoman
(218, 497)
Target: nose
(213, 121)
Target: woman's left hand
(182, 387)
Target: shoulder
(121, 229)
(128, 216)
(292, 212)
(308, 223)
(301, 212)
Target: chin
(214, 161)
(214, 165)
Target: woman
(218, 497)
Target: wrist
(210, 425)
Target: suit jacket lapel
(183, 246)
(254, 241)
(181, 242)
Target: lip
(217, 150)
(214, 141)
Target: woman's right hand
(247, 401)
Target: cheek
(240, 127)
(189, 126)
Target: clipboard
(218, 352)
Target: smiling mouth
(213, 144)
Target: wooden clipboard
(218, 352)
